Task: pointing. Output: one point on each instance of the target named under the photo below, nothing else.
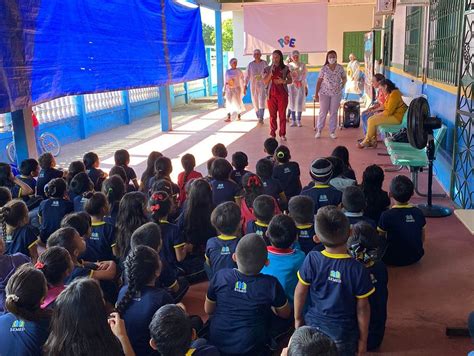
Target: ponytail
(159, 205)
(13, 214)
(96, 203)
(253, 187)
(54, 263)
(4, 216)
(56, 188)
(141, 267)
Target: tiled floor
(424, 298)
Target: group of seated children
(95, 264)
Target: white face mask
(332, 60)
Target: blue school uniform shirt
(16, 191)
(97, 177)
(79, 202)
(243, 307)
(335, 283)
(304, 237)
(259, 228)
(404, 226)
(237, 176)
(224, 190)
(52, 212)
(378, 304)
(99, 245)
(203, 350)
(8, 266)
(28, 180)
(288, 174)
(131, 175)
(172, 238)
(139, 314)
(81, 270)
(284, 265)
(22, 337)
(272, 187)
(354, 218)
(219, 252)
(322, 195)
(22, 239)
(44, 177)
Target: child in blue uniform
(96, 175)
(114, 189)
(102, 239)
(19, 236)
(353, 202)
(287, 172)
(223, 189)
(18, 188)
(308, 341)
(301, 209)
(269, 147)
(239, 301)
(140, 298)
(319, 189)
(122, 158)
(29, 170)
(172, 334)
(47, 173)
(219, 151)
(271, 186)
(368, 248)
(284, 260)
(403, 225)
(52, 210)
(25, 328)
(226, 220)
(149, 235)
(377, 199)
(174, 245)
(240, 161)
(80, 185)
(339, 287)
(264, 210)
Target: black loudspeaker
(351, 116)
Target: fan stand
(429, 210)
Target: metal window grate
(413, 29)
(443, 43)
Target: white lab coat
(353, 78)
(254, 75)
(297, 89)
(234, 91)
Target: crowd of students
(97, 264)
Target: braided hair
(253, 187)
(141, 267)
(188, 162)
(14, 215)
(159, 205)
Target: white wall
(239, 39)
(399, 21)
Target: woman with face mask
(331, 81)
(297, 90)
(254, 75)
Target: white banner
(287, 27)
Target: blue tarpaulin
(53, 48)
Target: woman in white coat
(234, 90)
(354, 75)
(297, 90)
(254, 75)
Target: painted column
(24, 135)
(219, 59)
(126, 103)
(81, 112)
(165, 108)
(209, 69)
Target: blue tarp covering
(53, 48)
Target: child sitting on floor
(170, 322)
(223, 189)
(29, 170)
(301, 209)
(80, 185)
(96, 175)
(140, 298)
(114, 189)
(47, 173)
(239, 161)
(287, 172)
(308, 341)
(189, 163)
(271, 186)
(403, 225)
(376, 198)
(368, 248)
(226, 220)
(339, 287)
(52, 210)
(319, 189)
(122, 159)
(219, 151)
(353, 203)
(240, 300)
(264, 211)
(269, 147)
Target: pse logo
(287, 41)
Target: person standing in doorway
(331, 81)
(354, 76)
(297, 89)
(277, 78)
(254, 75)
(234, 91)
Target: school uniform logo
(94, 236)
(335, 276)
(138, 297)
(323, 198)
(240, 287)
(55, 203)
(18, 325)
(286, 170)
(409, 218)
(259, 232)
(225, 250)
(265, 185)
(8, 239)
(220, 186)
(373, 278)
(304, 234)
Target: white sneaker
(333, 135)
(293, 124)
(299, 124)
(318, 134)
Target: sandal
(228, 118)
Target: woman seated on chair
(392, 115)
(377, 105)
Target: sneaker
(293, 124)
(333, 136)
(299, 124)
(318, 134)
(283, 138)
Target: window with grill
(413, 34)
(387, 42)
(443, 42)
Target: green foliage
(208, 34)
(227, 35)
